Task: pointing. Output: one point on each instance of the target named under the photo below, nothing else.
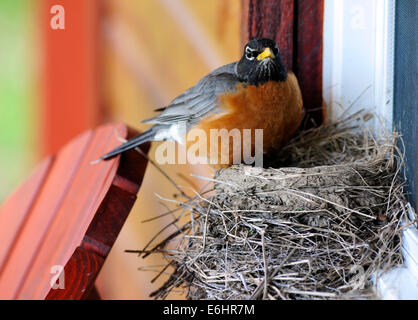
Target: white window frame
(359, 58)
(358, 73)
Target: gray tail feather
(132, 143)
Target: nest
(316, 226)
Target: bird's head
(261, 62)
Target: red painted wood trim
(80, 273)
(308, 57)
(273, 19)
(20, 204)
(87, 260)
(67, 211)
(70, 82)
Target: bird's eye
(250, 53)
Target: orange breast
(275, 107)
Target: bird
(256, 92)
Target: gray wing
(199, 100)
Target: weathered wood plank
(308, 57)
(273, 19)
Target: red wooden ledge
(68, 213)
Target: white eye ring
(248, 53)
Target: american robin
(256, 92)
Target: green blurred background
(18, 97)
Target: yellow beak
(265, 54)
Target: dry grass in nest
(316, 227)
